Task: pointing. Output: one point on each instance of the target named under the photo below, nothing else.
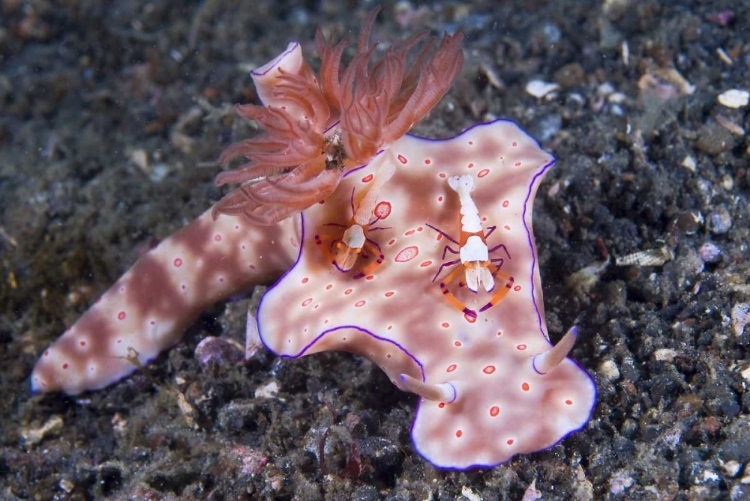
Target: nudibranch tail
(148, 308)
(544, 362)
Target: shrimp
(479, 269)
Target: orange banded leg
(501, 291)
(324, 243)
(452, 299)
(373, 249)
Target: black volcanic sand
(112, 115)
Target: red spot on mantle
(451, 368)
(177, 262)
(382, 210)
(489, 369)
(402, 159)
(494, 411)
(121, 315)
(367, 178)
(407, 254)
(483, 172)
(217, 238)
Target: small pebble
(253, 460)
(67, 485)
(570, 75)
(665, 354)
(719, 222)
(687, 222)
(709, 252)
(731, 468)
(689, 163)
(469, 494)
(269, 390)
(52, 426)
(714, 139)
(218, 351)
(548, 127)
(609, 369)
(740, 317)
(734, 98)
(531, 493)
(539, 89)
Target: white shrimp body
(470, 222)
(474, 252)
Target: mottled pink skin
(148, 309)
(398, 317)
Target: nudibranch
(359, 275)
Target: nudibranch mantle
(497, 404)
